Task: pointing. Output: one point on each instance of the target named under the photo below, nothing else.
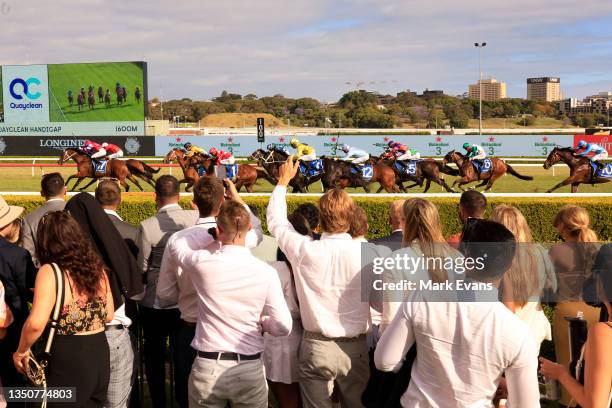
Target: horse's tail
(135, 170)
(510, 170)
(150, 169)
(446, 169)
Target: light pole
(480, 46)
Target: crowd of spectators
(247, 319)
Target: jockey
(93, 149)
(475, 152)
(305, 153)
(397, 148)
(193, 149)
(112, 151)
(411, 154)
(272, 147)
(222, 157)
(599, 153)
(354, 155)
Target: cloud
(313, 48)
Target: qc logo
(20, 87)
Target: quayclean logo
(20, 88)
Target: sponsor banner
(132, 128)
(25, 94)
(428, 146)
(54, 145)
(604, 141)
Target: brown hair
(337, 209)
(208, 195)
(422, 224)
(359, 223)
(61, 240)
(233, 219)
(108, 193)
(577, 221)
(11, 232)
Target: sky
(320, 48)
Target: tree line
(362, 109)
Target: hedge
(538, 211)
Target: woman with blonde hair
(531, 272)
(573, 262)
(422, 238)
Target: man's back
(462, 350)
(30, 223)
(235, 289)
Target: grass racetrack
(64, 77)
(21, 179)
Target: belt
(115, 327)
(227, 356)
(319, 336)
(188, 324)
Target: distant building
(544, 89)
(492, 90)
(600, 103)
(432, 94)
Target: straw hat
(8, 213)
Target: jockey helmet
(187, 145)
(582, 144)
(271, 146)
(104, 144)
(346, 148)
(294, 142)
(213, 151)
(466, 146)
(391, 143)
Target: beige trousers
(214, 383)
(325, 363)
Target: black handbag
(35, 369)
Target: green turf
(21, 179)
(63, 77)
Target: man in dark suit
(53, 190)
(123, 361)
(394, 240)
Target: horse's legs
(380, 188)
(441, 182)
(561, 184)
(79, 179)
(93, 180)
(492, 180)
(575, 187)
(483, 183)
(134, 180)
(249, 188)
(70, 178)
(125, 185)
(427, 185)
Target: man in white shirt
(122, 350)
(328, 284)
(175, 286)
(464, 347)
(160, 323)
(239, 297)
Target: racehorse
(188, 166)
(107, 99)
(100, 94)
(468, 174)
(137, 94)
(119, 92)
(80, 100)
(246, 176)
(426, 169)
(580, 168)
(70, 99)
(338, 174)
(91, 100)
(114, 169)
(271, 162)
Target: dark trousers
(184, 360)
(160, 328)
(385, 389)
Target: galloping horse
(338, 174)
(114, 169)
(426, 169)
(188, 166)
(468, 173)
(246, 175)
(91, 100)
(272, 160)
(80, 100)
(580, 168)
(142, 170)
